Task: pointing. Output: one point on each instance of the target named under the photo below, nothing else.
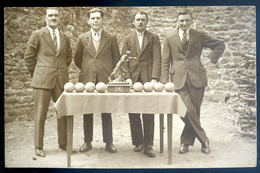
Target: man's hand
(130, 81)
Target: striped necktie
(184, 41)
(55, 40)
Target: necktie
(55, 40)
(184, 41)
(96, 40)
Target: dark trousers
(138, 135)
(192, 98)
(106, 127)
(42, 99)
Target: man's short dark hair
(142, 13)
(184, 12)
(93, 10)
(52, 8)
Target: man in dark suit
(146, 47)
(96, 55)
(48, 57)
(182, 50)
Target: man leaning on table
(96, 54)
(48, 56)
(146, 47)
(182, 50)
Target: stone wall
(232, 81)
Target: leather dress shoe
(64, 148)
(138, 148)
(149, 152)
(39, 152)
(85, 147)
(111, 148)
(205, 147)
(184, 148)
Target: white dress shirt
(181, 34)
(96, 36)
(140, 36)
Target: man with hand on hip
(182, 51)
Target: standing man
(146, 47)
(48, 57)
(182, 50)
(96, 55)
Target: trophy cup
(117, 81)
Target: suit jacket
(94, 64)
(44, 64)
(188, 63)
(148, 62)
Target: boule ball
(169, 87)
(79, 87)
(158, 87)
(69, 87)
(90, 87)
(101, 87)
(148, 87)
(138, 87)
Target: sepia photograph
(130, 87)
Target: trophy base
(118, 87)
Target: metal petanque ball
(90, 87)
(79, 87)
(101, 87)
(169, 87)
(148, 87)
(158, 87)
(138, 87)
(69, 87)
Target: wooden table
(70, 104)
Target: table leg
(69, 139)
(169, 122)
(161, 132)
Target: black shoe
(184, 148)
(64, 148)
(111, 148)
(205, 147)
(39, 152)
(149, 152)
(138, 148)
(85, 147)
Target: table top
(134, 102)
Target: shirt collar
(55, 30)
(99, 32)
(140, 32)
(181, 31)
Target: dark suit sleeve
(165, 61)
(215, 45)
(31, 52)
(78, 53)
(156, 58)
(69, 52)
(124, 49)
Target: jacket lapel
(47, 37)
(103, 41)
(176, 39)
(134, 42)
(146, 40)
(89, 42)
(62, 42)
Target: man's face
(52, 18)
(184, 21)
(140, 22)
(95, 21)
